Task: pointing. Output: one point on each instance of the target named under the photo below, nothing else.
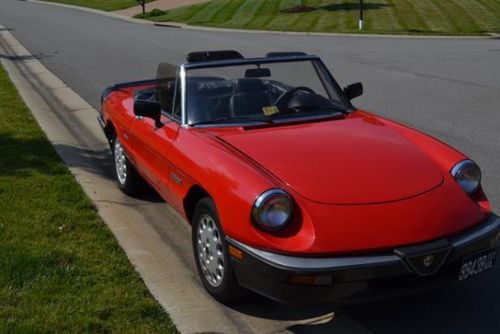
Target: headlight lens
(468, 176)
(272, 210)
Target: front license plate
(478, 263)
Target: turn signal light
(235, 252)
(310, 280)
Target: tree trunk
(143, 4)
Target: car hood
(354, 160)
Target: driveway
(160, 4)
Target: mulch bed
(298, 9)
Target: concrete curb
(274, 32)
(298, 33)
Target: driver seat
(249, 97)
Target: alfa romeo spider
(293, 192)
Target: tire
(129, 181)
(211, 255)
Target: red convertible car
(291, 191)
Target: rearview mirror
(149, 109)
(353, 90)
(257, 73)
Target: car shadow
(96, 161)
(262, 307)
(292, 318)
(467, 307)
(100, 161)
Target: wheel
(128, 179)
(210, 253)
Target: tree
(143, 5)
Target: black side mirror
(149, 109)
(353, 90)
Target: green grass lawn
(107, 5)
(61, 270)
(455, 17)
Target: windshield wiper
(225, 120)
(314, 108)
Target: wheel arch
(193, 196)
(109, 130)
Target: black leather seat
(208, 99)
(250, 96)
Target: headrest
(209, 86)
(249, 85)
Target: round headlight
(272, 210)
(468, 175)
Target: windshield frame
(321, 71)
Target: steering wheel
(286, 96)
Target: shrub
(157, 12)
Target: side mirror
(149, 109)
(353, 90)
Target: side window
(169, 93)
(166, 92)
(177, 101)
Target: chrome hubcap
(120, 162)
(210, 251)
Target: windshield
(261, 92)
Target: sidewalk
(160, 4)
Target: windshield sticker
(271, 110)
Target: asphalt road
(449, 88)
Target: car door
(152, 141)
